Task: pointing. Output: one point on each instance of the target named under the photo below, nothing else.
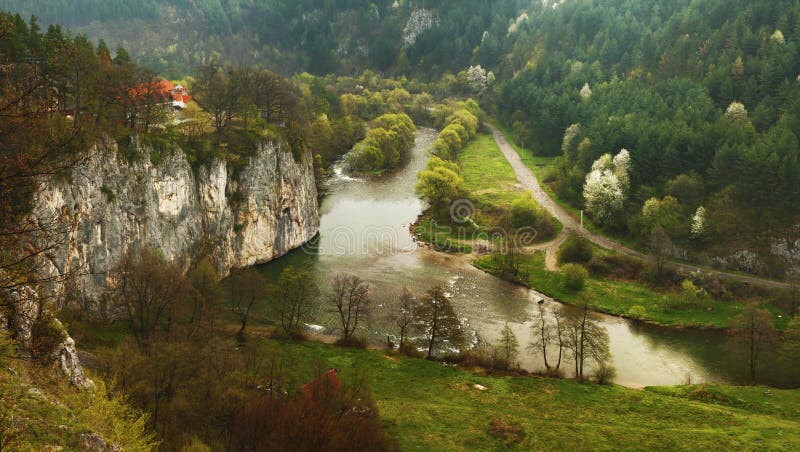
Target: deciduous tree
(753, 332)
(437, 320)
(508, 347)
(291, 299)
(349, 296)
(585, 338)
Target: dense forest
(343, 36)
(703, 94)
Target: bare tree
(205, 281)
(585, 338)
(508, 347)
(541, 333)
(349, 297)
(545, 332)
(437, 318)
(794, 294)
(36, 144)
(291, 298)
(753, 332)
(148, 290)
(403, 315)
(248, 287)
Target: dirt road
(571, 224)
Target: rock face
(24, 310)
(240, 218)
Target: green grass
(488, 177)
(491, 183)
(617, 297)
(430, 406)
(43, 414)
(754, 399)
(444, 238)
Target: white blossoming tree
(606, 186)
(420, 21)
(778, 37)
(736, 112)
(621, 166)
(586, 91)
(698, 222)
(478, 79)
(569, 136)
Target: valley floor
(434, 406)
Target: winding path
(571, 224)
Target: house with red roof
(164, 91)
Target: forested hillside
(704, 95)
(333, 36)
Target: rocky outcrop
(240, 218)
(93, 442)
(24, 307)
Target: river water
(364, 230)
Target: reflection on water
(364, 230)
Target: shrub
(637, 312)
(624, 267)
(666, 277)
(6, 347)
(605, 373)
(46, 334)
(574, 277)
(524, 211)
(352, 342)
(575, 249)
(598, 266)
(326, 415)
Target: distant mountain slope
(321, 37)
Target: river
(364, 230)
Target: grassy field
(490, 182)
(430, 406)
(488, 177)
(617, 297)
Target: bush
(326, 415)
(637, 312)
(575, 249)
(574, 277)
(352, 342)
(667, 277)
(598, 266)
(624, 267)
(605, 373)
(524, 211)
(6, 347)
(47, 333)
(689, 297)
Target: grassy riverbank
(430, 406)
(491, 185)
(617, 297)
